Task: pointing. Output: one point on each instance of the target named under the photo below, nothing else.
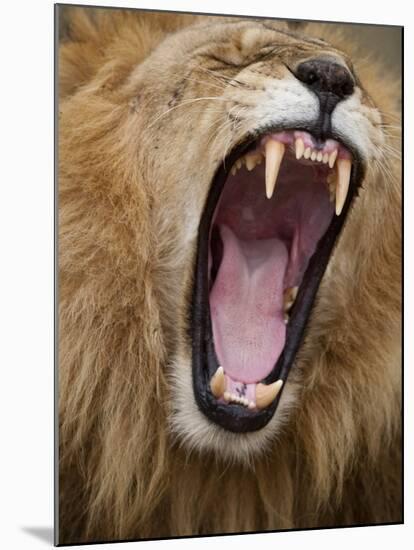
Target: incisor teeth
(233, 398)
(342, 185)
(218, 383)
(319, 156)
(274, 155)
(300, 148)
(332, 158)
(266, 394)
(307, 153)
(325, 158)
(313, 155)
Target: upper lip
(204, 362)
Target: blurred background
(380, 41)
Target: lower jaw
(232, 416)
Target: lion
(229, 278)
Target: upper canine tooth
(274, 155)
(218, 383)
(300, 148)
(342, 185)
(332, 158)
(266, 394)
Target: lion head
(229, 242)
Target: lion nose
(326, 77)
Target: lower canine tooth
(344, 174)
(289, 297)
(218, 383)
(331, 183)
(274, 155)
(266, 394)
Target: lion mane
(124, 471)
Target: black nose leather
(331, 82)
(325, 76)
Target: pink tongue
(246, 305)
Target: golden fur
(127, 218)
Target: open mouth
(274, 212)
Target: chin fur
(192, 428)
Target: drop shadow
(43, 533)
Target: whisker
(385, 169)
(226, 125)
(204, 82)
(219, 129)
(396, 126)
(187, 102)
(390, 115)
(395, 153)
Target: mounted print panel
(229, 275)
